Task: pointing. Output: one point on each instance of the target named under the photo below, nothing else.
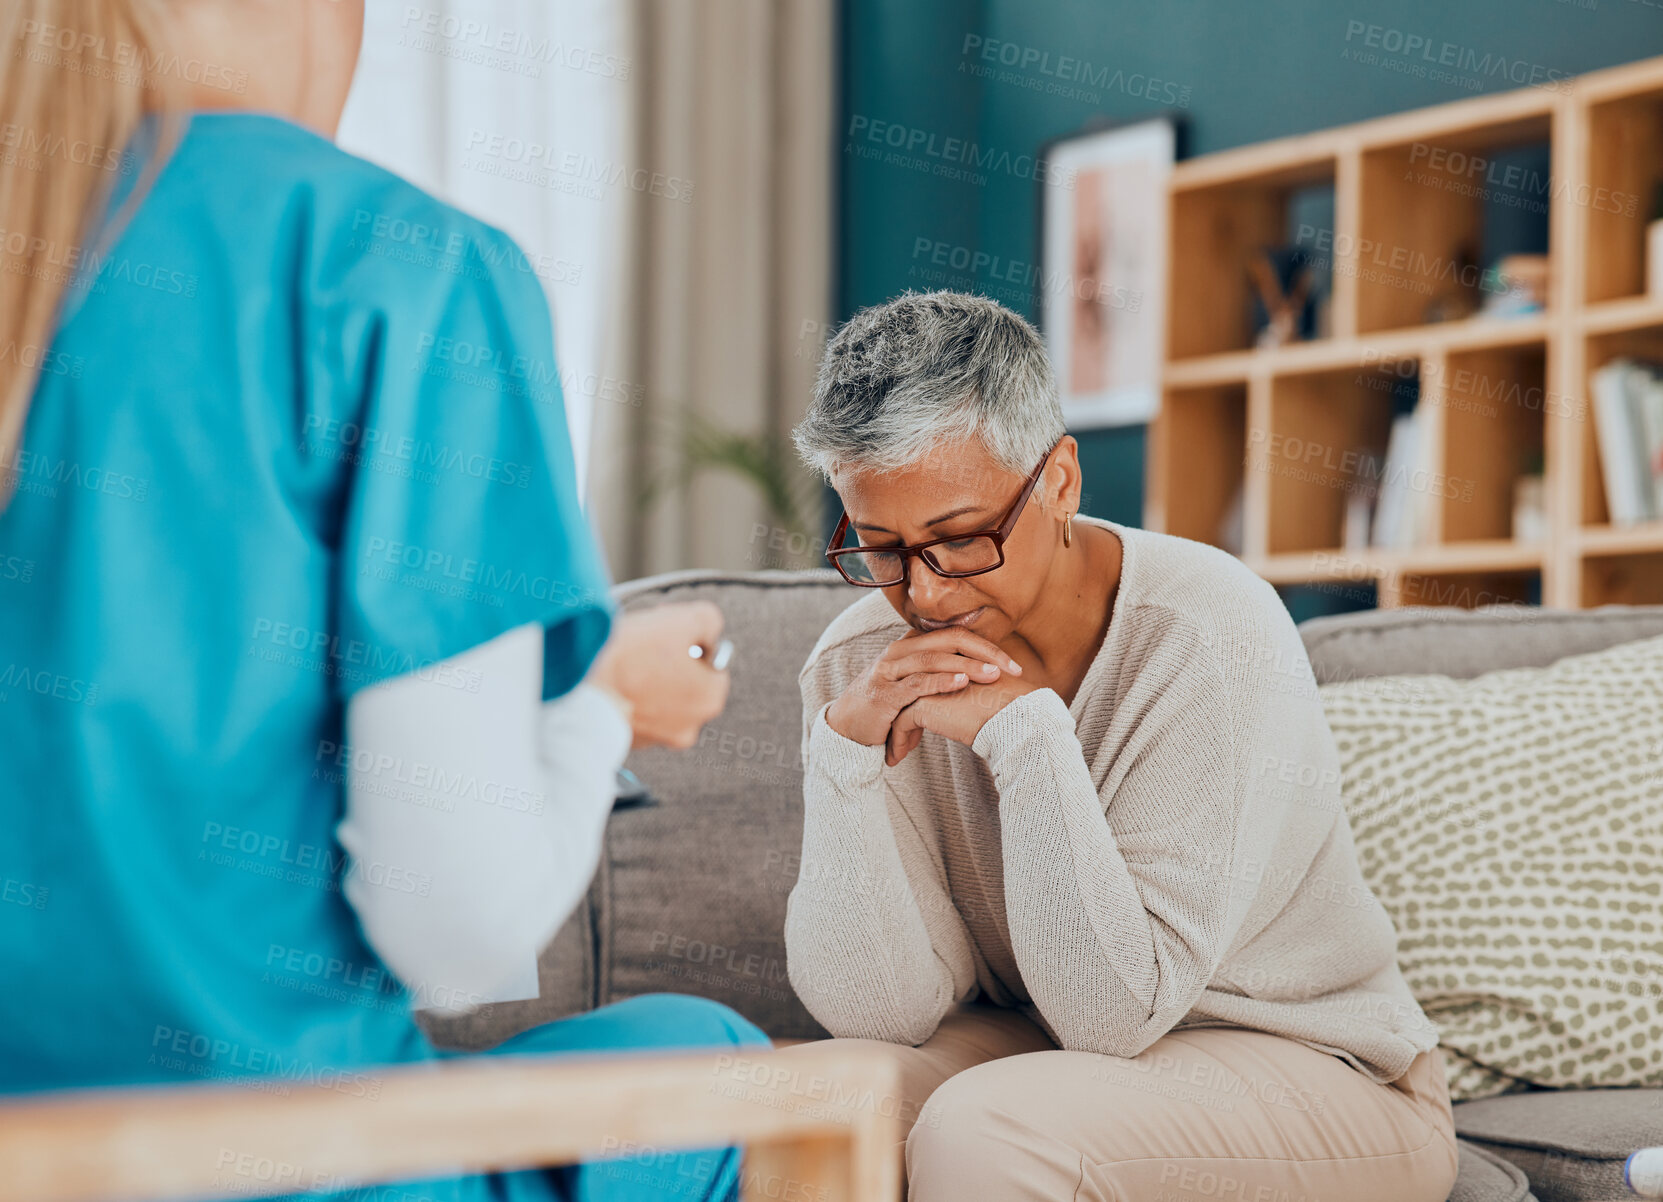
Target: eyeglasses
(955, 556)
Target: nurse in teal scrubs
(265, 461)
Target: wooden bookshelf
(1498, 397)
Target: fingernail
(985, 669)
(961, 678)
(1016, 667)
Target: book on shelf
(1232, 525)
(1628, 427)
(1651, 420)
(1401, 509)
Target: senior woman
(1073, 833)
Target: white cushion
(1512, 825)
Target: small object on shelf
(1520, 287)
(1325, 314)
(1284, 300)
(1231, 526)
(1654, 247)
(1360, 498)
(1460, 300)
(1530, 510)
(1628, 425)
(1359, 513)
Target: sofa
(691, 889)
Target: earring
(1068, 531)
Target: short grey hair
(929, 368)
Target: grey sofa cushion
(1571, 1144)
(694, 889)
(1484, 1177)
(1466, 643)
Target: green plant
(767, 462)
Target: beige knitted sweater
(1171, 850)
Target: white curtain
(671, 161)
(518, 112)
(729, 280)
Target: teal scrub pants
(654, 1021)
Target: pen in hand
(719, 658)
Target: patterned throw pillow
(1512, 825)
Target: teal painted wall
(1240, 71)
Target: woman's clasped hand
(947, 681)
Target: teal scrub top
(300, 431)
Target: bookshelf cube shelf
(1313, 453)
(1640, 336)
(1623, 173)
(1201, 449)
(1509, 484)
(1217, 232)
(1435, 208)
(1635, 579)
(1492, 403)
(1618, 564)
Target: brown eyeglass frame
(921, 550)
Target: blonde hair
(75, 82)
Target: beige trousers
(990, 1110)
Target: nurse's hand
(645, 662)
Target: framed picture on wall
(1103, 250)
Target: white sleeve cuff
(587, 722)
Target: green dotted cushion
(1512, 825)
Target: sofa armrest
(464, 1116)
